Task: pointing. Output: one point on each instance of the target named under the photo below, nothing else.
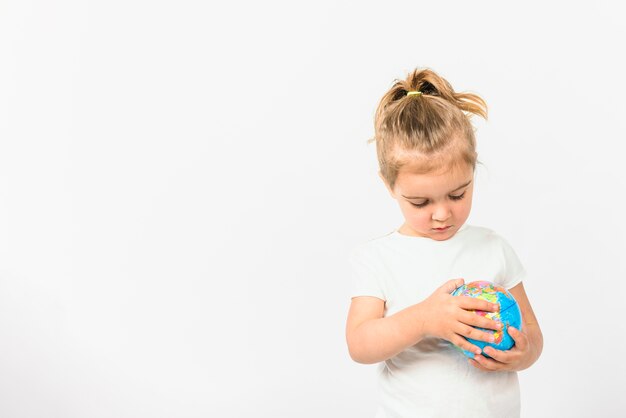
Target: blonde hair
(425, 132)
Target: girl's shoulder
(370, 244)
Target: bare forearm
(379, 339)
(535, 339)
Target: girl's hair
(428, 132)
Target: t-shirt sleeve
(365, 278)
(514, 271)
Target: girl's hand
(509, 360)
(450, 317)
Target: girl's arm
(528, 342)
(373, 338)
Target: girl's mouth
(442, 229)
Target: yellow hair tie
(411, 93)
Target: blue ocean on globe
(509, 314)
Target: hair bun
(428, 88)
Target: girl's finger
(465, 345)
(474, 333)
(451, 285)
(490, 365)
(498, 355)
(521, 339)
(471, 318)
(470, 303)
(477, 365)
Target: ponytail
(423, 118)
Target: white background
(181, 183)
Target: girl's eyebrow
(460, 187)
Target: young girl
(402, 312)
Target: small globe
(509, 314)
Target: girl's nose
(441, 214)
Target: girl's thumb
(451, 285)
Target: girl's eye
(421, 205)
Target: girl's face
(430, 201)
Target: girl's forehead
(442, 181)
(442, 173)
(445, 162)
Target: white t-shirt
(432, 378)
